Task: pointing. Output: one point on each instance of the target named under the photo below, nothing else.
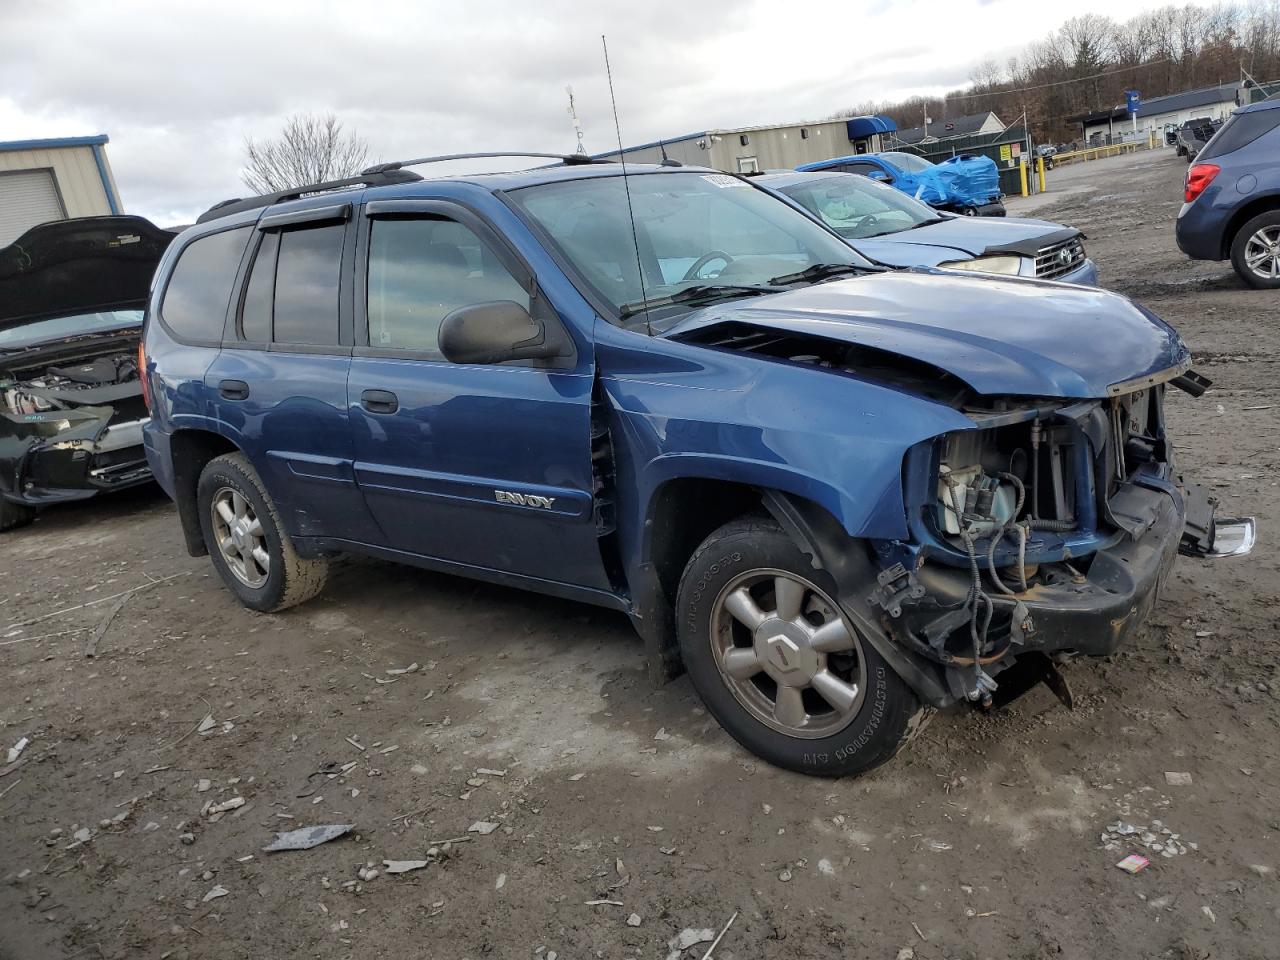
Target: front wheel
(249, 546)
(779, 666)
(14, 515)
(1255, 251)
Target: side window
(420, 271)
(308, 266)
(255, 317)
(872, 171)
(195, 301)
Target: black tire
(289, 579)
(14, 515)
(1270, 220)
(889, 715)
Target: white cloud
(178, 87)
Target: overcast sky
(178, 85)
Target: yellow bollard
(1022, 170)
(1040, 171)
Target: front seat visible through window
(420, 271)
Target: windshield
(858, 208)
(59, 328)
(694, 230)
(907, 161)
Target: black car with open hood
(72, 410)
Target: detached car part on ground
(1232, 197)
(71, 405)
(965, 184)
(839, 497)
(891, 228)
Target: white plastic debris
(400, 671)
(202, 786)
(662, 734)
(215, 893)
(825, 868)
(404, 866)
(482, 827)
(576, 777)
(307, 837)
(207, 724)
(16, 750)
(226, 805)
(1175, 779)
(687, 938)
(486, 772)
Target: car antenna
(631, 214)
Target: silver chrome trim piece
(1149, 380)
(1233, 537)
(1059, 259)
(121, 435)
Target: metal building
(57, 179)
(767, 147)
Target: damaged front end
(70, 431)
(71, 397)
(1045, 532)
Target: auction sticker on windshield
(723, 180)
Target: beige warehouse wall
(781, 148)
(75, 171)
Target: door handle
(379, 401)
(234, 390)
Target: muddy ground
(981, 841)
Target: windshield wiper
(927, 223)
(819, 271)
(701, 293)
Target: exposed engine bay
(58, 387)
(71, 424)
(71, 399)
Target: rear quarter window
(1240, 131)
(195, 301)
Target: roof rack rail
(568, 159)
(368, 178)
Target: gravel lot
(983, 840)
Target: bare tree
(310, 149)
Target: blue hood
(960, 238)
(1000, 336)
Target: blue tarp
(963, 181)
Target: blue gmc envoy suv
(839, 496)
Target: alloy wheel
(1262, 253)
(240, 537)
(787, 654)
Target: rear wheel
(14, 515)
(250, 549)
(1255, 251)
(778, 665)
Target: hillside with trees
(1089, 62)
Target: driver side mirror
(499, 331)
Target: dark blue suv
(838, 496)
(1232, 195)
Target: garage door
(27, 197)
